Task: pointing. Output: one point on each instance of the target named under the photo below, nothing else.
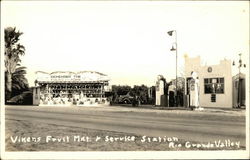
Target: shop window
(214, 85)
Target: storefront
(215, 82)
(69, 88)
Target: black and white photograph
(124, 79)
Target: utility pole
(170, 33)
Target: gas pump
(159, 90)
(194, 91)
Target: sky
(128, 41)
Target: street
(198, 126)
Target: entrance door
(241, 93)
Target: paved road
(187, 125)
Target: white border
(117, 154)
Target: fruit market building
(70, 88)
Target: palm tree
(12, 53)
(19, 81)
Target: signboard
(69, 76)
(65, 78)
(209, 69)
(192, 85)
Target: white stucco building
(215, 82)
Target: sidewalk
(205, 109)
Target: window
(214, 85)
(213, 97)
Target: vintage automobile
(130, 99)
(24, 98)
(126, 99)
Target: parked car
(24, 98)
(130, 99)
(126, 99)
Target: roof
(70, 72)
(68, 76)
(242, 75)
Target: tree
(19, 81)
(121, 90)
(12, 53)
(141, 92)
